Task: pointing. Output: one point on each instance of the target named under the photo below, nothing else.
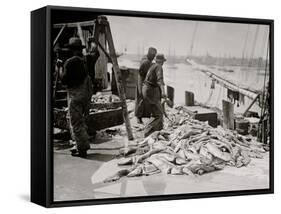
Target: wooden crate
(203, 114)
(105, 119)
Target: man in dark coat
(141, 109)
(153, 91)
(79, 92)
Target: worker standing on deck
(153, 91)
(79, 92)
(140, 105)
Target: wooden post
(58, 36)
(170, 94)
(228, 114)
(250, 106)
(80, 34)
(189, 98)
(103, 21)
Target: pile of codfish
(186, 147)
(102, 98)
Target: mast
(254, 46)
(193, 38)
(245, 44)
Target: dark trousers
(152, 95)
(78, 109)
(141, 107)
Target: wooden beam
(58, 36)
(104, 51)
(118, 76)
(74, 24)
(80, 34)
(250, 106)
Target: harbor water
(183, 77)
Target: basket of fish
(105, 112)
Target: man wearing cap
(79, 92)
(141, 109)
(153, 91)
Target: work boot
(139, 120)
(81, 154)
(73, 149)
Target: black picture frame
(41, 103)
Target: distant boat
(119, 54)
(226, 70)
(172, 66)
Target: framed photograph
(134, 106)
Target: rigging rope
(264, 81)
(254, 46)
(253, 51)
(212, 88)
(244, 46)
(262, 53)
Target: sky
(175, 37)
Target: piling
(189, 98)
(228, 114)
(170, 94)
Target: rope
(264, 82)
(210, 95)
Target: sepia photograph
(146, 106)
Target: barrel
(242, 126)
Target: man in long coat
(141, 109)
(153, 91)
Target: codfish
(162, 164)
(125, 161)
(149, 169)
(218, 153)
(186, 171)
(167, 156)
(176, 171)
(136, 172)
(121, 173)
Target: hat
(160, 57)
(75, 43)
(152, 50)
